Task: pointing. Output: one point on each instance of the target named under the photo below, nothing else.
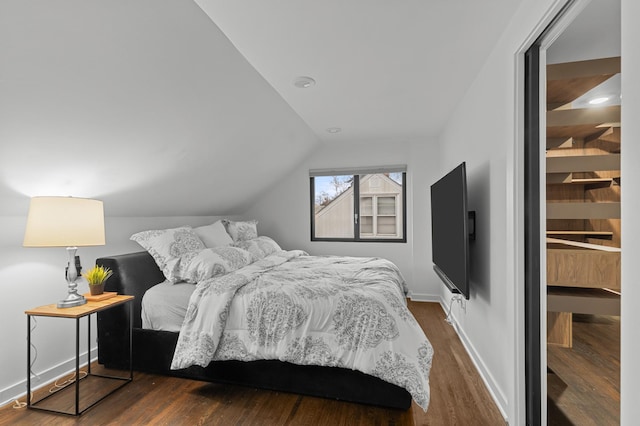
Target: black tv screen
(450, 230)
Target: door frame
(533, 59)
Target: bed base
(134, 273)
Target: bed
(214, 341)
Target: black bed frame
(134, 273)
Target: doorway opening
(572, 219)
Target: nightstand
(92, 383)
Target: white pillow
(167, 246)
(214, 235)
(260, 247)
(241, 231)
(212, 262)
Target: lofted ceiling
(384, 70)
(177, 108)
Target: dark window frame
(356, 209)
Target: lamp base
(72, 300)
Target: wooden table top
(78, 311)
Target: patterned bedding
(314, 310)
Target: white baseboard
(419, 297)
(18, 390)
(494, 390)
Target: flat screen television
(450, 225)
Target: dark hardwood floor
(584, 381)
(458, 397)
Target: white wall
(630, 373)
(484, 131)
(284, 211)
(31, 277)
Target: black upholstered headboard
(133, 274)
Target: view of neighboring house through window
(363, 205)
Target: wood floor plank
(458, 394)
(458, 397)
(584, 381)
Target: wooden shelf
(582, 69)
(583, 116)
(585, 265)
(594, 301)
(608, 210)
(612, 134)
(588, 246)
(589, 181)
(591, 234)
(559, 178)
(563, 302)
(567, 178)
(580, 122)
(583, 163)
(560, 143)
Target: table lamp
(65, 222)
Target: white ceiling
(141, 103)
(593, 34)
(385, 70)
(162, 110)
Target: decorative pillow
(167, 246)
(259, 247)
(212, 262)
(214, 235)
(241, 231)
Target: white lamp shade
(64, 222)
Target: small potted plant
(96, 278)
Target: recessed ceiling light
(304, 82)
(334, 129)
(599, 100)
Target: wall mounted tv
(452, 226)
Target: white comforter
(332, 311)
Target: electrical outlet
(463, 305)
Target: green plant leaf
(97, 275)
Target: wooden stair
(583, 203)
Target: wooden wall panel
(559, 329)
(574, 267)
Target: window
(378, 216)
(358, 204)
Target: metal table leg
(28, 360)
(77, 366)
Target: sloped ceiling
(144, 104)
(384, 70)
(148, 105)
